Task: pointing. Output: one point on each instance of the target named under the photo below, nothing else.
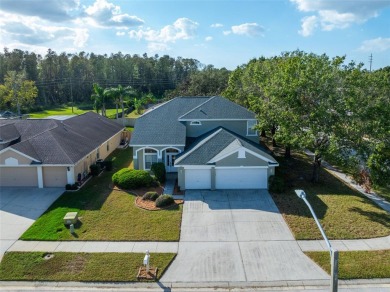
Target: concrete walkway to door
(237, 235)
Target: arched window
(150, 157)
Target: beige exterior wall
(18, 176)
(249, 160)
(9, 153)
(54, 176)
(108, 147)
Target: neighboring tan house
(209, 141)
(52, 153)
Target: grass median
(86, 267)
(356, 264)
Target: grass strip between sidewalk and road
(356, 264)
(86, 267)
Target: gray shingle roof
(212, 143)
(160, 126)
(63, 142)
(218, 108)
(8, 132)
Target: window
(195, 123)
(250, 125)
(150, 157)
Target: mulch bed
(143, 275)
(151, 206)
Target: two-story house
(209, 141)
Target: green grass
(357, 264)
(106, 214)
(63, 111)
(88, 267)
(130, 129)
(134, 114)
(344, 213)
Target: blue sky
(222, 33)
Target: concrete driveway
(237, 235)
(19, 208)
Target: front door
(170, 162)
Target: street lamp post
(334, 254)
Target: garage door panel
(18, 176)
(241, 178)
(197, 179)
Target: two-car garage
(227, 178)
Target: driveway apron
(237, 235)
(19, 208)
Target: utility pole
(71, 92)
(370, 60)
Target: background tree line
(63, 78)
(336, 109)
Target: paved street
(237, 236)
(19, 208)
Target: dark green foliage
(95, 169)
(107, 164)
(131, 178)
(159, 171)
(150, 196)
(72, 187)
(276, 184)
(379, 165)
(164, 200)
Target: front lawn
(86, 267)
(134, 114)
(59, 111)
(344, 213)
(106, 214)
(357, 264)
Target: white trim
(247, 129)
(218, 158)
(167, 145)
(40, 177)
(196, 166)
(197, 146)
(18, 152)
(20, 165)
(239, 167)
(172, 148)
(210, 98)
(149, 154)
(158, 152)
(70, 175)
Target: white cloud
(309, 24)
(208, 38)
(375, 45)
(248, 29)
(158, 47)
(106, 14)
(120, 33)
(56, 11)
(181, 29)
(332, 15)
(216, 25)
(32, 32)
(226, 32)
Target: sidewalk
(95, 246)
(372, 196)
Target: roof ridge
(159, 106)
(210, 98)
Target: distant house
(209, 141)
(52, 153)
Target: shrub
(159, 171)
(131, 178)
(276, 184)
(95, 169)
(72, 187)
(108, 165)
(68, 187)
(150, 196)
(164, 200)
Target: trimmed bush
(159, 171)
(276, 184)
(95, 169)
(70, 187)
(164, 200)
(131, 178)
(150, 196)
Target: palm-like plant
(124, 92)
(112, 93)
(98, 97)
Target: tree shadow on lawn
(373, 216)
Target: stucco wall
(9, 153)
(238, 127)
(19, 176)
(139, 152)
(249, 160)
(54, 176)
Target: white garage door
(197, 179)
(241, 178)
